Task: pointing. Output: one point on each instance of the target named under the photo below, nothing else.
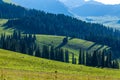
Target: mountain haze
(97, 10)
(52, 6)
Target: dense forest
(9, 11)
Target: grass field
(17, 66)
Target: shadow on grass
(60, 45)
(91, 46)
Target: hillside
(16, 66)
(38, 22)
(73, 45)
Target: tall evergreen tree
(103, 59)
(80, 57)
(94, 59)
(37, 52)
(66, 56)
(52, 53)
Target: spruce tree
(87, 59)
(80, 57)
(73, 59)
(66, 56)
(37, 52)
(83, 58)
(103, 59)
(94, 59)
(52, 53)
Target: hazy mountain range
(78, 7)
(85, 10)
(52, 6)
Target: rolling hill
(16, 66)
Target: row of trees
(17, 42)
(97, 59)
(27, 44)
(53, 54)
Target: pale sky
(102, 1)
(109, 1)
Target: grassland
(17, 66)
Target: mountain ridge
(51, 6)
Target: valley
(59, 40)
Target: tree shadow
(60, 45)
(100, 47)
(91, 46)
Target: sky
(102, 1)
(109, 1)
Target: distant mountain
(52, 6)
(93, 8)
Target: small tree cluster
(17, 42)
(97, 59)
(49, 52)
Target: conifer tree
(94, 59)
(37, 52)
(80, 57)
(103, 59)
(52, 53)
(66, 56)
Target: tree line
(97, 59)
(26, 44)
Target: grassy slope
(73, 44)
(16, 66)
